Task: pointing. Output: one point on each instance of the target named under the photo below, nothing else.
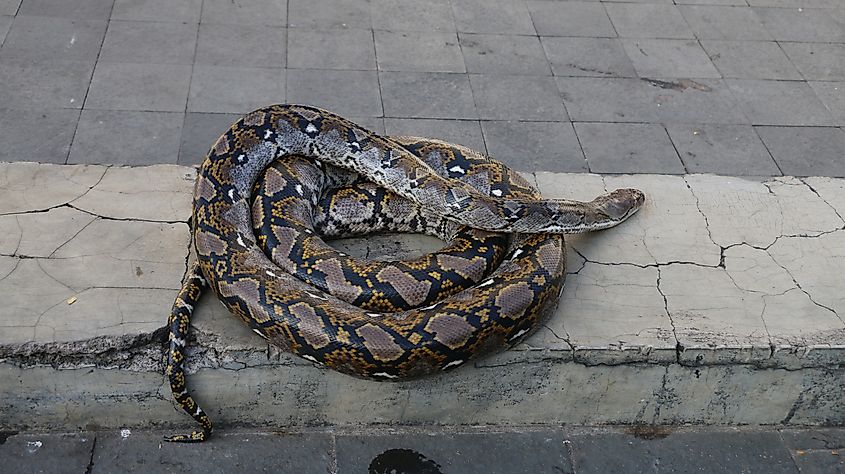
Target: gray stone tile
(9, 7)
(817, 62)
(779, 103)
(570, 19)
(153, 87)
(331, 49)
(804, 24)
(373, 124)
(591, 57)
(5, 24)
(44, 38)
(503, 54)
(628, 148)
(750, 59)
(492, 16)
(418, 51)
(181, 11)
(535, 146)
(77, 9)
(694, 101)
(724, 22)
(712, 2)
(733, 150)
(648, 21)
(412, 15)
(241, 45)
(468, 453)
(149, 42)
(669, 58)
(199, 133)
(806, 151)
(44, 84)
(245, 12)
(606, 100)
(329, 14)
(212, 90)
(517, 97)
(37, 135)
(681, 452)
(299, 453)
(832, 95)
(819, 462)
(41, 452)
(127, 138)
(814, 438)
(348, 93)
(427, 95)
(463, 132)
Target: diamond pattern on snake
(284, 177)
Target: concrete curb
(720, 303)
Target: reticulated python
(285, 174)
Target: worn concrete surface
(718, 303)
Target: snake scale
(284, 175)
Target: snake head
(619, 204)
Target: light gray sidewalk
(733, 87)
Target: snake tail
(178, 322)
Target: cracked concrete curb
(719, 303)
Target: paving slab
(413, 15)
(339, 49)
(77, 9)
(717, 303)
(142, 452)
(180, 11)
(532, 452)
(241, 45)
(648, 20)
(418, 51)
(143, 87)
(48, 38)
(212, 91)
(149, 42)
(347, 93)
(492, 16)
(628, 147)
(427, 95)
(721, 22)
(733, 150)
(37, 135)
(751, 60)
(681, 452)
(669, 58)
(44, 84)
(126, 137)
(45, 452)
(802, 151)
(570, 19)
(592, 57)
(804, 24)
(510, 97)
(766, 102)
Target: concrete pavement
(433, 451)
(733, 87)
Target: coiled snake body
(322, 174)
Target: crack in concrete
(811, 188)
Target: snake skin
(490, 288)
